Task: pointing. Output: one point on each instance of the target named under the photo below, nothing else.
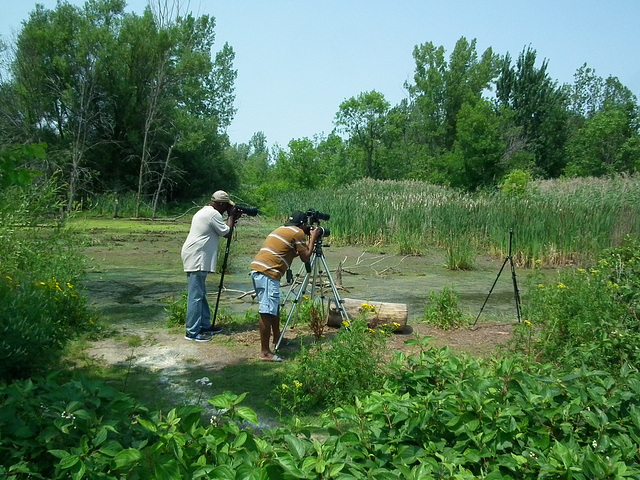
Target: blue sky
(297, 60)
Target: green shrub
(516, 184)
(36, 320)
(443, 310)
(587, 316)
(333, 373)
(41, 266)
(177, 311)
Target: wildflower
(582, 270)
(69, 286)
(297, 384)
(527, 323)
(346, 323)
(561, 286)
(204, 381)
(594, 444)
(594, 271)
(613, 285)
(396, 325)
(68, 415)
(285, 386)
(366, 307)
(9, 278)
(540, 285)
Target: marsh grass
(556, 222)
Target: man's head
(221, 201)
(297, 219)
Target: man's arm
(233, 215)
(305, 255)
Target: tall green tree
(479, 147)
(440, 89)
(362, 119)
(607, 143)
(125, 101)
(539, 110)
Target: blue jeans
(198, 313)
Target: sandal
(273, 358)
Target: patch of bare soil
(168, 354)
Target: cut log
(376, 313)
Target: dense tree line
(125, 103)
(468, 121)
(141, 104)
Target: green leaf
(59, 453)
(100, 437)
(296, 446)
(68, 462)
(111, 449)
(247, 414)
(126, 457)
(148, 425)
(78, 473)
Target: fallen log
(376, 313)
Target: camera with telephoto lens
(251, 211)
(314, 216)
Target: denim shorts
(268, 293)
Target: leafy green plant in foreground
(438, 416)
(332, 373)
(587, 316)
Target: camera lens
(251, 211)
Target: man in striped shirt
(272, 261)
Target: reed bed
(556, 223)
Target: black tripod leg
(492, 287)
(224, 268)
(516, 293)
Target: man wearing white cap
(199, 255)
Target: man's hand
(234, 213)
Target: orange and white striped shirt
(278, 251)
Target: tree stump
(376, 313)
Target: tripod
(509, 259)
(220, 286)
(314, 273)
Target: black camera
(251, 211)
(315, 216)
